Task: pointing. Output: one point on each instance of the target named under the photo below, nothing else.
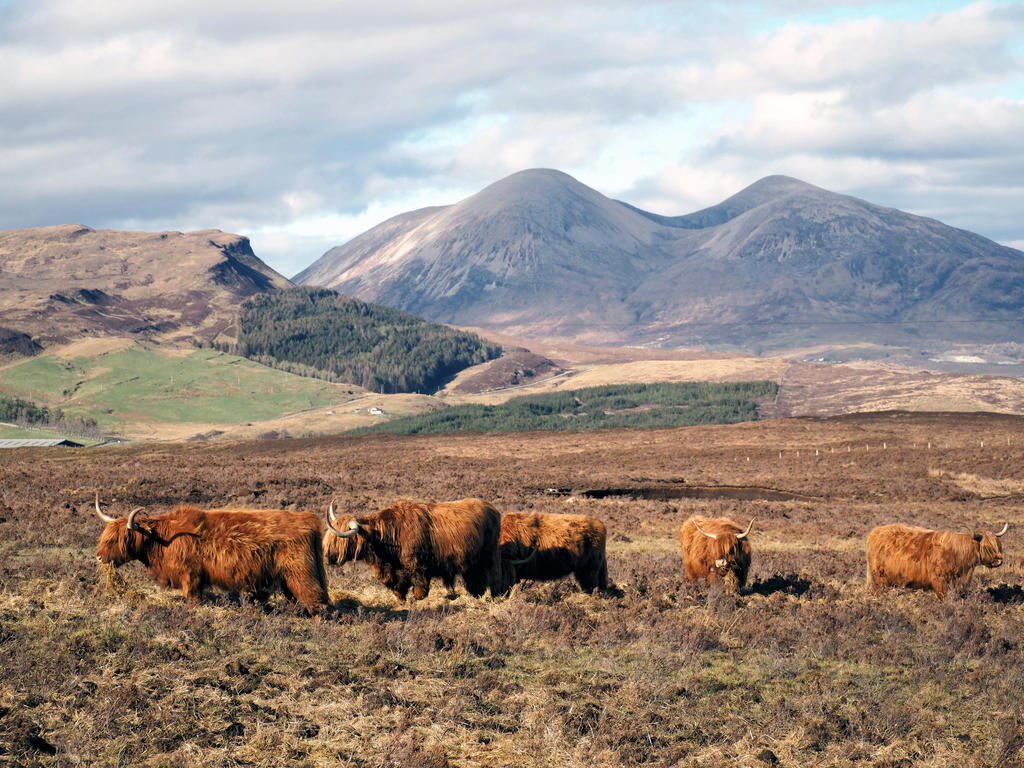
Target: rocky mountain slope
(65, 282)
(779, 265)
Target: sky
(302, 123)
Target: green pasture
(145, 383)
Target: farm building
(38, 443)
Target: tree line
(25, 413)
(629, 405)
(319, 332)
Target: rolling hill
(104, 325)
(67, 282)
(780, 265)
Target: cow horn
(353, 526)
(709, 535)
(1005, 526)
(131, 520)
(103, 516)
(525, 560)
(330, 518)
(743, 535)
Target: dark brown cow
(904, 556)
(545, 547)
(715, 548)
(408, 544)
(252, 551)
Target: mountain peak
(534, 190)
(539, 253)
(770, 189)
(536, 176)
(778, 185)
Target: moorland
(805, 667)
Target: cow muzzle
(721, 563)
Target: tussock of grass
(118, 587)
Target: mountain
(780, 264)
(536, 250)
(65, 282)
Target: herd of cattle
(409, 544)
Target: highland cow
(545, 547)
(252, 551)
(904, 556)
(715, 548)
(408, 544)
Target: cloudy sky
(301, 123)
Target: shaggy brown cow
(545, 547)
(904, 556)
(715, 548)
(408, 544)
(239, 551)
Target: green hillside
(317, 332)
(146, 384)
(627, 405)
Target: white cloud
(287, 120)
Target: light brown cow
(545, 547)
(715, 548)
(905, 556)
(408, 544)
(253, 551)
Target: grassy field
(804, 668)
(17, 433)
(140, 388)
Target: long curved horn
(525, 560)
(131, 520)
(103, 516)
(353, 526)
(1005, 526)
(743, 535)
(709, 535)
(331, 518)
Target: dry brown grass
(985, 487)
(811, 389)
(805, 668)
